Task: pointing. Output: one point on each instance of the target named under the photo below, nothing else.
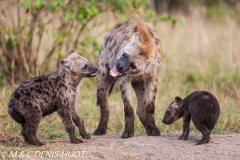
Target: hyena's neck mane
(148, 37)
(69, 78)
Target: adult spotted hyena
(130, 54)
(43, 95)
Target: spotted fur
(43, 95)
(131, 55)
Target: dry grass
(201, 55)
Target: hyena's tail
(212, 121)
(15, 115)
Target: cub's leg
(203, 129)
(30, 130)
(32, 120)
(65, 114)
(80, 124)
(186, 123)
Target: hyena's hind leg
(32, 119)
(150, 125)
(104, 86)
(31, 131)
(24, 132)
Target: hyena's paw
(86, 136)
(182, 137)
(36, 143)
(127, 134)
(76, 141)
(203, 140)
(153, 131)
(200, 142)
(208, 139)
(100, 131)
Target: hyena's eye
(168, 112)
(125, 55)
(84, 67)
(133, 66)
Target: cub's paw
(127, 134)
(182, 137)
(200, 142)
(76, 141)
(86, 136)
(153, 131)
(100, 131)
(37, 144)
(203, 141)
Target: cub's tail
(212, 121)
(15, 115)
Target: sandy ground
(166, 146)
(141, 146)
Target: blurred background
(200, 42)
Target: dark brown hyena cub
(201, 106)
(43, 95)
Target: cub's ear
(61, 62)
(136, 38)
(65, 64)
(178, 100)
(152, 62)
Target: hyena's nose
(119, 66)
(163, 121)
(95, 68)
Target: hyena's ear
(65, 64)
(71, 52)
(152, 62)
(136, 38)
(178, 100)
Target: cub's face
(173, 111)
(79, 65)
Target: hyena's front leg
(186, 123)
(140, 91)
(150, 125)
(104, 85)
(80, 124)
(65, 114)
(128, 110)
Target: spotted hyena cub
(131, 55)
(43, 95)
(200, 106)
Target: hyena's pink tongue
(114, 72)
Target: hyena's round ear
(152, 62)
(178, 100)
(136, 38)
(61, 61)
(71, 52)
(64, 64)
